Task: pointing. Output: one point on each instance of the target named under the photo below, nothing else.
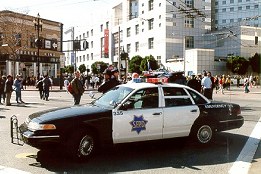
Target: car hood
(59, 113)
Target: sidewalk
(53, 89)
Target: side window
(196, 97)
(176, 97)
(144, 98)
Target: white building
(166, 29)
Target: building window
(137, 46)
(151, 43)
(159, 16)
(256, 6)
(239, 0)
(128, 48)
(91, 44)
(142, 30)
(83, 57)
(151, 5)
(248, 7)
(87, 34)
(231, 20)
(91, 32)
(101, 27)
(189, 22)
(18, 39)
(231, 1)
(224, 2)
(128, 32)
(189, 42)
(223, 10)
(137, 29)
(107, 25)
(232, 9)
(223, 21)
(88, 58)
(91, 56)
(151, 24)
(189, 3)
(80, 58)
(239, 8)
(159, 24)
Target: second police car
(131, 113)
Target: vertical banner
(106, 43)
(72, 58)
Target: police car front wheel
(82, 145)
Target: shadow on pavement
(179, 153)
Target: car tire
(203, 133)
(81, 146)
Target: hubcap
(86, 146)
(204, 134)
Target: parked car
(131, 113)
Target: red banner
(106, 42)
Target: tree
(98, 67)
(82, 68)
(69, 69)
(237, 65)
(255, 63)
(149, 63)
(134, 64)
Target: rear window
(196, 97)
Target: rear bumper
(230, 124)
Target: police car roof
(146, 85)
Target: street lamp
(38, 26)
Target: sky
(69, 12)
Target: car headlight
(33, 126)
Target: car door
(139, 118)
(179, 112)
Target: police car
(131, 113)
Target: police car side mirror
(125, 106)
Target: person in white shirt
(206, 86)
(66, 83)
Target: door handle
(194, 110)
(157, 113)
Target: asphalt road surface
(179, 155)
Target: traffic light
(76, 45)
(39, 43)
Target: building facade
(168, 29)
(19, 53)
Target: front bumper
(40, 141)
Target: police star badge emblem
(138, 124)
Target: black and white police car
(131, 113)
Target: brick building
(19, 53)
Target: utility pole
(119, 50)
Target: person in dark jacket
(110, 80)
(194, 83)
(2, 89)
(46, 86)
(39, 85)
(77, 87)
(8, 89)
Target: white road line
(6, 170)
(243, 162)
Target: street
(180, 155)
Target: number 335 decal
(118, 113)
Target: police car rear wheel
(204, 134)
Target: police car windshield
(115, 95)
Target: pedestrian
(212, 83)
(194, 83)
(105, 86)
(114, 77)
(246, 85)
(18, 85)
(66, 83)
(2, 89)
(77, 88)
(46, 87)
(206, 86)
(8, 90)
(39, 85)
